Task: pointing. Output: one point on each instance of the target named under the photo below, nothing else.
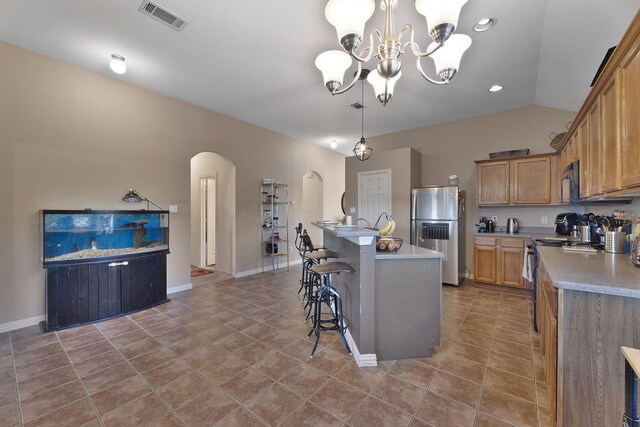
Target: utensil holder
(615, 242)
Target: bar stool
(327, 294)
(311, 256)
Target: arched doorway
(213, 207)
(312, 204)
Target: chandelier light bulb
(117, 64)
(349, 17)
(442, 16)
(333, 64)
(447, 58)
(382, 87)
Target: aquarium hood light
(134, 197)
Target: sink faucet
(361, 219)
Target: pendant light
(362, 150)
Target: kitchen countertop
(357, 232)
(410, 252)
(601, 272)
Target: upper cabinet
(605, 135)
(630, 141)
(526, 180)
(493, 183)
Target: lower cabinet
(547, 319)
(84, 293)
(498, 260)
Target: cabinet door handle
(115, 264)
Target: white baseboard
(19, 324)
(266, 268)
(174, 289)
(361, 359)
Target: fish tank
(74, 236)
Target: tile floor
(233, 353)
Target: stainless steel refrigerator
(437, 222)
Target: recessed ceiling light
(495, 88)
(333, 144)
(117, 64)
(484, 24)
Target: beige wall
(405, 175)
(209, 164)
(72, 139)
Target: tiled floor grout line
(15, 373)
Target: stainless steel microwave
(570, 188)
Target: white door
(374, 195)
(208, 203)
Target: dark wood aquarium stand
(83, 293)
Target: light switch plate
(352, 210)
(173, 208)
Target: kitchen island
(392, 299)
(588, 307)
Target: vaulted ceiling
(254, 59)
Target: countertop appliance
(437, 223)
(482, 225)
(512, 225)
(491, 226)
(565, 222)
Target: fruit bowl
(388, 244)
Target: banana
(384, 230)
(388, 227)
(393, 227)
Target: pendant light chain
(362, 103)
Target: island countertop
(410, 252)
(356, 231)
(601, 272)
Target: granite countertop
(601, 272)
(525, 233)
(356, 232)
(410, 252)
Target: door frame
(203, 214)
(389, 194)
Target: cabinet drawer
(512, 242)
(485, 241)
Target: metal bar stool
(311, 256)
(328, 295)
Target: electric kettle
(512, 225)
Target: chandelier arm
(369, 49)
(350, 85)
(415, 47)
(427, 78)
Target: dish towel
(527, 266)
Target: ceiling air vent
(356, 105)
(163, 15)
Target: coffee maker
(486, 225)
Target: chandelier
(349, 18)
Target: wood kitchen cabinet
(610, 124)
(517, 181)
(498, 260)
(493, 183)
(547, 319)
(606, 131)
(485, 256)
(630, 142)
